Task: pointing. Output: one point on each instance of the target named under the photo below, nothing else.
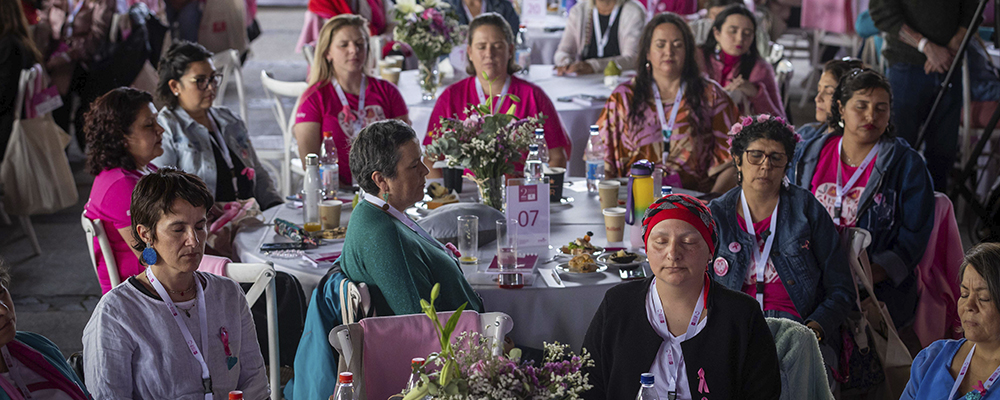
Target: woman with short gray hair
(398, 260)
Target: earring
(840, 123)
(177, 93)
(149, 254)
(739, 177)
(385, 197)
(718, 48)
(648, 67)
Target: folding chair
(275, 90)
(262, 278)
(94, 228)
(229, 62)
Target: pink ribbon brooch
(230, 359)
(702, 385)
(249, 173)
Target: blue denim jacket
(806, 253)
(897, 207)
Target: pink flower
(763, 118)
(249, 173)
(735, 130)
(747, 121)
(797, 137)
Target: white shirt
(659, 367)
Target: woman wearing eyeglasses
(210, 142)
(776, 241)
(866, 177)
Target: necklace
(187, 311)
(181, 292)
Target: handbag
(223, 26)
(872, 327)
(35, 171)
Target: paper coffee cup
(608, 192)
(329, 213)
(391, 74)
(614, 223)
(395, 60)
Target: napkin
(525, 264)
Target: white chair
(25, 221)
(262, 278)
(346, 338)
(229, 62)
(355, 302)
(94, 228)
(275, 90)
(783, 74)
(818, 41)
(309, 51)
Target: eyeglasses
(756, 157)
(202, 83)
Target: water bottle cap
(328, 135)
(641, 167)
(646, 379)
(417, 361)
(594, 129)
(539, 131)
(666, 190)
(346, 377)
(532, 147)
(312, 159)
(236, 395)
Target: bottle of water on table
(522, 50)
(329, 167)
(647, 391)
(533, 166)
(543, 148)
(594, 156)
(345, 387)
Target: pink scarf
(34, 361)
(728, 63)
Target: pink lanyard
(15, 375)
(841, 188)
(965, 368)
(673, 365)
(357, 119)
(206, 379)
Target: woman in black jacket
(699, 339)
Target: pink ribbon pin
(980, 388)
(702, 386)
(249, 173)
(348, 115)
(453, 249)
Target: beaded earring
(149, 255)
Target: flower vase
(491, 191)
(429, 79)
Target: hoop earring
(149, 254)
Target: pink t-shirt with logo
(460, 95)
(321, 104)
(824, 183)
(775, 296)
(110, 199)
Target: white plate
(606, 258)
(564, 268)
(597, 251)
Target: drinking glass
(468, 238)
(506, 244)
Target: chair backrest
(228, 62)
(387, 344)
(309, 51)
(783, 73)
(275, 90)
(94, 228)
(355, 302)
(262, 278)
(776, 54)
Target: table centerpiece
(488, 144)
(468, 368)
(431, 29)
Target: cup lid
(641, 167)
(614, 211)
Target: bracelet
(922, 44)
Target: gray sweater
(938, 20)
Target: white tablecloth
(540, 313)
(544, 44)
(576, 118)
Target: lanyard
(842, 189)
(965, 368)
(357, 118)
(407, 221)
(673, 362)
(206, 379)
(603, 37)
(216, 136)
(468, 13)
(15, 375)
(72, 17)
(667, 127)
(503, 94)
(760, 258)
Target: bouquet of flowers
(468, 369)
(489, 144)
(431, 29)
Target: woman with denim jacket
(204, 140)
(789, 257)
(883, 186)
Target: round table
(540, 312)
(544, 43)
(576, 118)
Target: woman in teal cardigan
(399, 261)
(28, 361)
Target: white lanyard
(357, 118)
(603, 37)
(499, 102)
(206, 379)
(72, 17)
(965, 368)
(15, 374)
(216, 136)
(667, 127)
(842, 189)
(468, 13)
(760, 258)
(673, 364)
(407, 221)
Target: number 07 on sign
(529, 206)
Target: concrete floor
(56, 291)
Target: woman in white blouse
(600, 31)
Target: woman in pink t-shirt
(122, 138)
(491, 51)
(342, 97)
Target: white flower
(435, 4)
(408, 6)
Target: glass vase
(429, 79)
(491, 191)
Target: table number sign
(529, 206)
(533, 11)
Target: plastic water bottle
(666, 191)
(594, 156)
(345, 387)
(647, 391)
(311, 198)
(543, 148)
(414, 382)
(522, 50)
(533, 166)
(329, 166)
